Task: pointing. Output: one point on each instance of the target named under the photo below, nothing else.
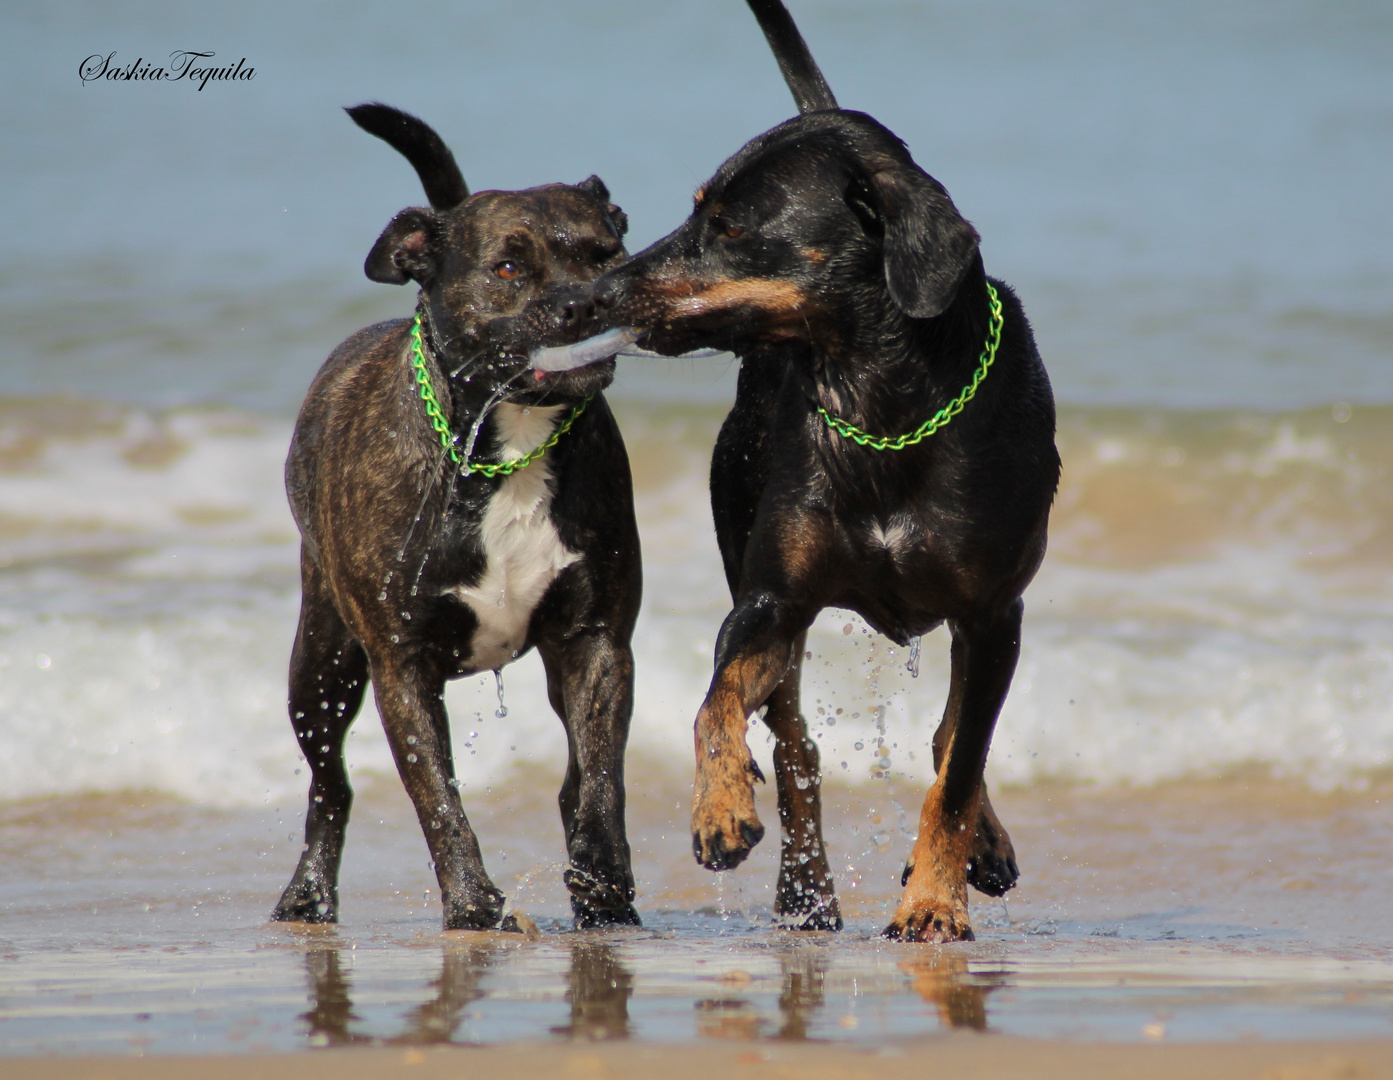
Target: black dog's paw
(586, 916)
(717, 852)
(306, 902)
(993, 874)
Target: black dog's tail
(416, 141)
(800, 70)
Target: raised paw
(725, 826)
(725, 847)
(992, 868)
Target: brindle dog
(853, 291)
(417, 569)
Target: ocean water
(1191, 200)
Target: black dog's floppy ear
(404, 250)
(595, 186)
(928, 244)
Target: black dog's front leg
(328, 677)
(753, 654)
(412, 706)
(805, 898)
(590, 680)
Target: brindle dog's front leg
(412, 706)
(934, 904)
(752, 655)
(805, 898)
(590, 680)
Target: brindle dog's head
(822, 229)
(500, 272)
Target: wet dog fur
(414, 573)
(845, 279)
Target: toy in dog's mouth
(579, 354)
(617, 342)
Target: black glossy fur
(391, 528)
(844, 277)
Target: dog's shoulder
(345, 389)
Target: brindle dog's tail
(416, 141)
(800, 70)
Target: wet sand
(1238, 926)
(983, 1059)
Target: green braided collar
(448, 439)
(940, 419)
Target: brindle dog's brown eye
(508, 270)
(733, 231)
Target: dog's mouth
(551, 359)
(549, 362)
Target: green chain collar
(940, 419)
(448, 438)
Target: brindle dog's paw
(586, 916)
(826, 915)
(596, 902)
(307, 902)
(932, 926)
(479, 909)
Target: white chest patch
(897, 536)
(523, 551)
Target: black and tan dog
(457, 508)
(891, 451)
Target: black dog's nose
(607, 291)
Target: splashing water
(912, 665)
(502, 708)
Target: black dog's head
(816, 229)
(500, 272)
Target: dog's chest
(522, 549)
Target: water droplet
(411, 758)
(502, 708)
(411, 740)
(913, 664)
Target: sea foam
(1217, 597)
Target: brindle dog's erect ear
(928, 244)
(596, 187)
(404, 250)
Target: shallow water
(1243, 909)
(1194, 761)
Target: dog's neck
(485, 424)
(903, 369)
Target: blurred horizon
(1190, 198)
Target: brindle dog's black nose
(574, 309)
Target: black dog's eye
(508, 270)
(735, 232)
